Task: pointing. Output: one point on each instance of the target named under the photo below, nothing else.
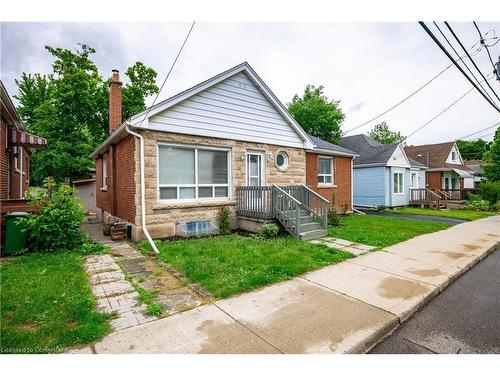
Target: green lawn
(382, 231)
(47, 304)
(231, 264)
(452, 214)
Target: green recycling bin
(15, 238)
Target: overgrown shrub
(490, 191)
(333, 217)
(56, 224)
(476, 203)
(224, 224)
(268, 231)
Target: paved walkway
(343, 308)
(463, 319)
(437, 219)
(337, 243)
(113, 278)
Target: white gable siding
(231, 109)
(458, 157)
(398, 158)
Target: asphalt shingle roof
(434, 156)
(369, 150)
(320, 143)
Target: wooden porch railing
(428, 197)
(285, 203)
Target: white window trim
(416, 180)
(104, 176)
(195, 185)
(262, 155)
(396, 185)
(284, 167)
(17, 159)
(326, 184)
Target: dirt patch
(471, 247)
(394, 287)
(428, 272)
(453, 254)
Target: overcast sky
(367, 66)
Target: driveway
(463, 319)
(343, 308)
(418, 217)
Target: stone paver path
(337, 243)
(113, 277)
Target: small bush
(476, 204)
(155, 309)
(56, 224)
(224, 224)
(268, 231)
(490, 191)
(333, 218)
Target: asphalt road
(465, 318)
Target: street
(465, 318)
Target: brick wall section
(4, 161)
(342, 180)
(434, 180)
(120, 197)
(124, 179)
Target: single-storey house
(16, 150)
(446, 170)
(226, 142)
(381, 172)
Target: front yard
(231, 264)
(451, 214)
(47, 304)
(382, 231)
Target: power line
(470, 58)
(438, 43)
(443, 111)
(412, 94)
(461, 59)
(479, 131)
(486, 46)
(169, 71)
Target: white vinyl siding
(188, 173)
(232, 109)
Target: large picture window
(325, 170)
(398, 183)
(192, 173)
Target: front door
(446, 183)
(254, 169)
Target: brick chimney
(115, 101)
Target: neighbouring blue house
(382, 174)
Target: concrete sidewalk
(343, 308)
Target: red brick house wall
(342, 180)
(119, 199)
(4, 161)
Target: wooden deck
(302, 212)
(438, 198)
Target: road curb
(386, 331)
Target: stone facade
(162, 217)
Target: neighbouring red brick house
(226, 142)
(16, 148)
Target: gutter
(143, 192)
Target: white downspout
(143, 194)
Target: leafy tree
(318, 115)
(472, 149)
(491, 169)
(70, 107)
(383, 134)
